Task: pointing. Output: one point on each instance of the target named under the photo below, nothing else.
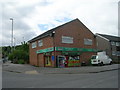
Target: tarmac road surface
(108, 79)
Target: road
(107, 79)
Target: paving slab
(31, 72)
(29, 69)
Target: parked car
(100, 60)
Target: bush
(20, 54)
(11, 57)
(21, 61)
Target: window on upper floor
(117, 43)
(40, 43)
(112, 43)
(88, 41)
(66, 39)
(113, 53)
(34, 45)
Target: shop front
(67, 57)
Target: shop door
(61, 61)
(47, 61)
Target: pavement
(29, 69)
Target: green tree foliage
(6, 50)
(20, 54)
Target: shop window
(112, 43)
(66, 39)
(73, 61)
(34, 45)
(88, 41)
(40, 43)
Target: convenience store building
(67, 45)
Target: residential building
(110, 44)
(67, 45)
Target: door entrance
(61, 61)
(47, 61)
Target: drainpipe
(53, 34)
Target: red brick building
(64, 46)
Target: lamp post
(23, 39)
(14, 43)
(12, 35)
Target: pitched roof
(47, 33)
(111, 38)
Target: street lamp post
(23, 39)
(14, 43)
(12, 35)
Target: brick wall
(74, 29)
(86, 57)
(47, 42)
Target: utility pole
(12, 36)
(23, 39)
(14, 43)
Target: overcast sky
(33, 17)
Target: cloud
(96, 15)
(33, 17)
(20, 28)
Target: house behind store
(67, 45)
(110, 44)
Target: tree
(6, 50)
(20, 54)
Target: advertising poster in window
(73, 61)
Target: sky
(33, 17)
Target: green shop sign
(88, 50)
(64, 49)
(75, 49)
(71, 53)
(45, 50)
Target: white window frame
(67, 39)
(88, 41)
(117, 43)
(34, 45)
(112, 43)
(40, 43)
